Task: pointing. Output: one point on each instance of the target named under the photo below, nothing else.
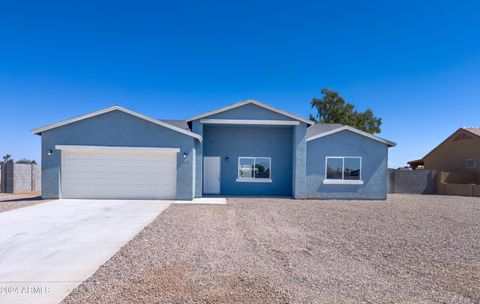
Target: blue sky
(415, 63)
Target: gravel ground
(408, 249)
(14, 201)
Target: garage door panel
(98, 183)
(114, 167)
(107, 172)
(118, 174)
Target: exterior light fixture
(49, 153)
(184, 155)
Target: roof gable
(319, 131)
(116, 108)
(467, 133)
(250, 102)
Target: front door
(211, 175)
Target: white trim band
(254, 180)
(342, 182)
(250, 122)
(112, 148)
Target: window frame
(254, 179)
(474, 163)
(343, 181)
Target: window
(254, 169)
(471, 163)
(343, 170)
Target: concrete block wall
(458, 183)
(459, 189)
(7, 177)
(37, 178)
(20, 178)
(412, 181)
(476, 190)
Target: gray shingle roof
(182, 124)
(320, 128)
(475, 131)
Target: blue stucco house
(247, 148)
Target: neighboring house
(248, 148)
(460, 152)
(456, 162)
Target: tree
(6, 158)
(332, 108)
(26, 161)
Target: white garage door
(118, 173)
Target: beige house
(457, 161)
(460, 152)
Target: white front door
(211, 174)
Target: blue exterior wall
(197, 127)
(261, 141)
(249, 111)
(346, 143)
(300, 161)
(116, 128)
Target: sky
(416, 64)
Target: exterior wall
(300, 161)
(197, 127)
(457, 177)
(346, 143)
(234, 141)
(115, 128)
(249, 111)
(452, 154)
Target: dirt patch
(408, 249)
(13, 201)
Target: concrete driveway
(48, 249)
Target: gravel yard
(14, 201)
(408, 249)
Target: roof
(474, 131)
(182, 124)
(250, 101)
(322, 130)
(171, 126)
(416, 162)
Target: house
(456, 162)
(458, 153)
(247, 148)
